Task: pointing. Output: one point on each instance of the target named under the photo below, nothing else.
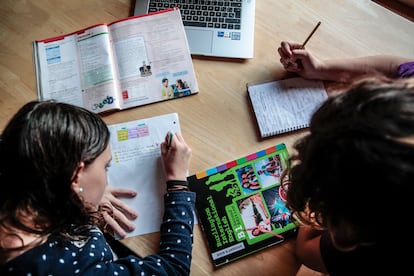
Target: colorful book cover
(241, 204)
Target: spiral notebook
(285, 105)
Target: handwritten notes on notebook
(285, 105)
(136, 164)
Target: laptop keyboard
(220, 14)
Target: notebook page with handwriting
(285, 105)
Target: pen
(310, 35)
(169, 139)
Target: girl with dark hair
(53, 161)
(351, 177)
(351, 181)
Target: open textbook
(241, 204)
(136, 164)
(127, 63)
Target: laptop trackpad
(199, 41)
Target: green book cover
(241, 204)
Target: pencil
(310, 35)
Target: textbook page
(148, 50)
(136, 164)
(130, 62)
(78, 69)
(285, 105)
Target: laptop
(217, 28)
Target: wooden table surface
(217, 123)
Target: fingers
(164, 148)
(287, 56)
(171, 140)
(124, 209)
(122, 214)
(117, 223)
(177, 136)
(113, 196)
(167, 143)
(176, 158)
(180, 139)
(291, 55)
(286, 48)
(285, 53)
(112, 226)
(123, 221)
(120, 192)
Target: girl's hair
(40, 150)
(352, 173)
(181, 83)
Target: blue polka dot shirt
(93, 256)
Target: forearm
(177, 231)
(175, 252)
(344, 70)
(308, 248)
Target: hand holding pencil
(295, 58)
(175, 155)
(169, 138)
